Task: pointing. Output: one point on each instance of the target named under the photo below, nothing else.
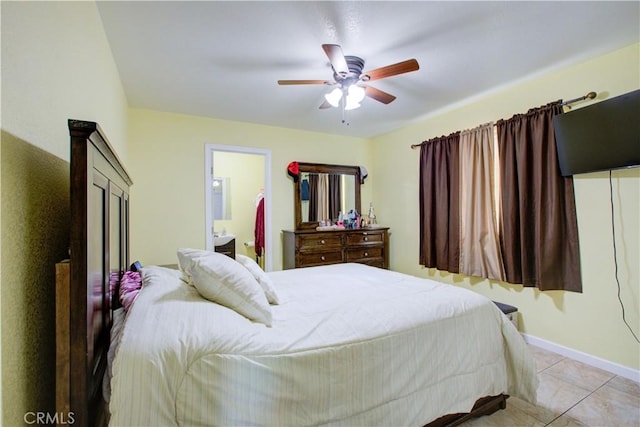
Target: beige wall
(56, 65)
(590, 322)
(1, 364)
(167, 166)
(35, 232)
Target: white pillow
(263, 279)
(185, 262)
(220, 279)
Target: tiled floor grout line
(554, 364)
(579, 401)
(538, 373)
(546, 424)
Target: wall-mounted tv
(602, 136)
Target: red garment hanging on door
(259, 228)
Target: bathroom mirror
(221, 198)
(322, 191)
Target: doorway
(236, 179)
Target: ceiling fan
(350, 82)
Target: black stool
(510, 311)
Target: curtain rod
(590, 95)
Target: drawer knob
(365, 239)
(322, 258)
(366, 254)
(322, 242)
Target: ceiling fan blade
(393, 70)
(379, 95)
(325, 105)
(302, 82)
(336, 57)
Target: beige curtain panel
(480, 204)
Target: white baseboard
(614, 368)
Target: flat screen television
(599, 137)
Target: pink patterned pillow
(129, 287)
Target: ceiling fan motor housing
(355, 65)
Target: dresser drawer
(364, 253)
(319, 258)
(318, 243)
(307, 248)
(364, 238)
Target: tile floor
(571, 394)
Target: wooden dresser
(307, 248)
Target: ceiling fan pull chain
(344, 112)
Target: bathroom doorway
(238, 199)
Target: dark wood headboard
(99, 245)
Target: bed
(347, 344)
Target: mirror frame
(321, 168)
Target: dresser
(307, 248)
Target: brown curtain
(540, 233)
(313, 197)
(439, 203)
(334, 196)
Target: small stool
(510, 311)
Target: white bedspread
(349, 345)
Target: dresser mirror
(323, 191)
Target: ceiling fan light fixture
(355, 94)
(351, 105)
(334, 97)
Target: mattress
(349, 345)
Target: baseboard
(614, 368)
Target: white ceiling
(223, 59)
